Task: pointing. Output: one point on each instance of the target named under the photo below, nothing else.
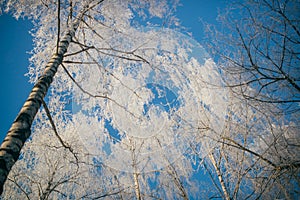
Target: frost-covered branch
(63, 143)
(265, 39)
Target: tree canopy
(134, 109)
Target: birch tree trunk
(212, 158)
(20, 130)
(137, 186)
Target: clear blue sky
(16, 41)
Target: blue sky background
(16, 42)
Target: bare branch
(64, 144)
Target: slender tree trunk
(212, 158)
(21, 127)
(137, 186)
(135, 174)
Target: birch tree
(137, 110)
(252, 157)
(133, 103)
(52, 39)
(257, 48)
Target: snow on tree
(257, 51)
(138, 110)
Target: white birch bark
(212, 158)
(137, 186)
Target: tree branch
(64, 144)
